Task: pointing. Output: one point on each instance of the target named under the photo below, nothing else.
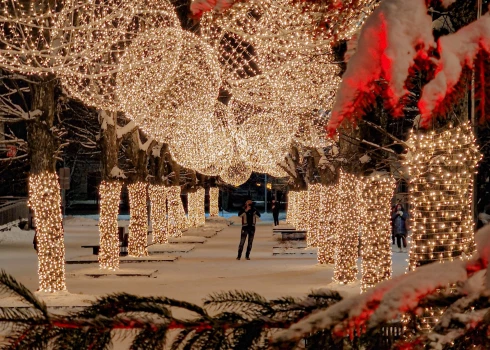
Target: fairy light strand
(159, 222)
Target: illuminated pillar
(45, 201)
(195, 208)
(138, 221)
(327, 237)
(110, 193)
(176, 214)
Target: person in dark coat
(275, 212)
(249, 216)
(399, 219)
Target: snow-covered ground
(209, 267)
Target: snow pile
(80, 221)
(16, 235)
(386, 49)
(457, 51)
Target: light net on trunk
(138, 220)
(176, 214)
(214, 201)
(292, 212)
(45, 201)
(159, 223)
(376, 237)
(195, 208)
(110, 195)
(441, 167)
(328, 223)
(315, 214)
(351, 215)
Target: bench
(123, 243)
(295, 235)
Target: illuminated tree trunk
(159, 223)
(44, 188)
(109, 193)
(214, 202)
(376, 237)
(195, 208)
(328, 224)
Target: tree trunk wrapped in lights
(195, 208)
(302, 211)
(176, 214)
(45, 199)
(351, 214)
(214, 201)
(110, 192)
(328, 224)
(158, 199)
(376, 238)
(441, 167)
(292, 208)
(315, 214)
(138, 222)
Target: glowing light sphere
(214, 201)
(138, 220)
(191, 93)
(110, 195)
(441, 166)
(236, 174)
(347, 244)
(130, 37)
(45, 201)
(159, 222)
(376, 237)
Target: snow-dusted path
(210, 267)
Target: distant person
(275, 212)
(399, 219)
(249, 216)
(393, 210)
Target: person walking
(393, 210)
(249, 216)
(399, 219)
(275, 212)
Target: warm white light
(110, 193)
(138, 220)
(214, 201)
(159, 221)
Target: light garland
(441, 168)
(110, 195)
(329, 219)
(45, 201)
(159, 223)
(214, 202)
(138, 220)
(176, 214)
(352, 213)
(195, 208)
(376, 238)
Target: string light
(214, 201)
(176, 214)
(351, 210)
(328, 223)
(292, 212)
(376, 238)
(195, 208)
(314, 215)
(138, 220)
(441, 167)
(45, 201)
(110, 193)
(159, 222)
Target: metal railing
(12, 211)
